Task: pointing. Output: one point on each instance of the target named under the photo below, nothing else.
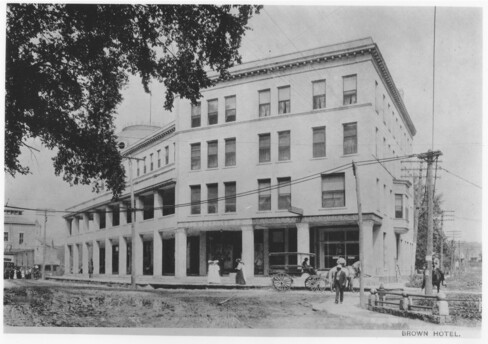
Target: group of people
(214, 272)
(21, 272)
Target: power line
(455, 175)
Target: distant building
(262, 164)
(23, 242)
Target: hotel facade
(278, 134)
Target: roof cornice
(149, 140)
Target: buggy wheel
(282, 282)
(315, 283)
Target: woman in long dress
(240, 278)
(213, 272)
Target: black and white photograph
(223, 171)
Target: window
(264, 103)
(151, 161)
(195, 156)
(230, 197)
(144, 165)
(166, 155)
(383, 109)
(195, 199)
(284, 193)
(115, 215)
(196, 115)
(230, 152)
(284, 99)
(213, 195)
(398, 206)
(350, 138)
(213, 111)
(264, 147)
(333, 190)
(377, 99)
(148, 207)
(318, 142)
(213, 157)
(264, 198)
(230, 109)
(350, 89)
(159, 158)
(21, 238)
(5, 236)
(102, 219)
(284, 145)
(318, 88)
(138, 169)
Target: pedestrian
(240, 278)
(90, 269)
(213, 276)
(341, 261)
(339, 284)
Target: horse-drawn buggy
(284, 275)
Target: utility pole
(44, 247)
(430, 157)
(361, 238)
(132, 229)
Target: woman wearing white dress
(213, 272)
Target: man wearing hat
(339, 283)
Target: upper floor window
(284, 193)
(230, 109)
(195, 196)
(138, 169)
(213, 195)
(264, 147)
(333, 190)
(398, 206)
(148, 207)
(195, 156)
(213, 154)
(318, 142)
(377, 99)
(230, 197)
(230, 152)
(144, 165)
(284, 145)
(151, 164)
(213, 111)
(5, 236)
(350, 89)
(264, 103)
(196, 115)
(284, 99)
(115, 215)
(318, 94)
(166, 155)
(159, 158)
(102, 219)
(264, 198)
(21, 238)
(350, 138)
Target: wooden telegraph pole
(362, 300)
(430, 157)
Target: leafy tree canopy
(66, 66)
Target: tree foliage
(66, 66)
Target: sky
(405, 37)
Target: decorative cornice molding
(149, 140)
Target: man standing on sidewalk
(339, 284)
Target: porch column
(123, 213)
(203, 253)
(248, 249)
(86, 223)
(109, 217)
(180, 253)
(369, 249)
(85, 258)
(76, 259)
(139, 255)
(266, 251)
(67, 258)
(96, 257)
(303, 241)
(108, 256)
(158, 204)
(96, 220)
(157, 254)
(122, 256)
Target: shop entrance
(147, 257)
(169, 256)
(225, 247)
(101, 266)
(115, 259)
(193, 256)
(340, 243)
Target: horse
(352, 271)
(437, 279)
